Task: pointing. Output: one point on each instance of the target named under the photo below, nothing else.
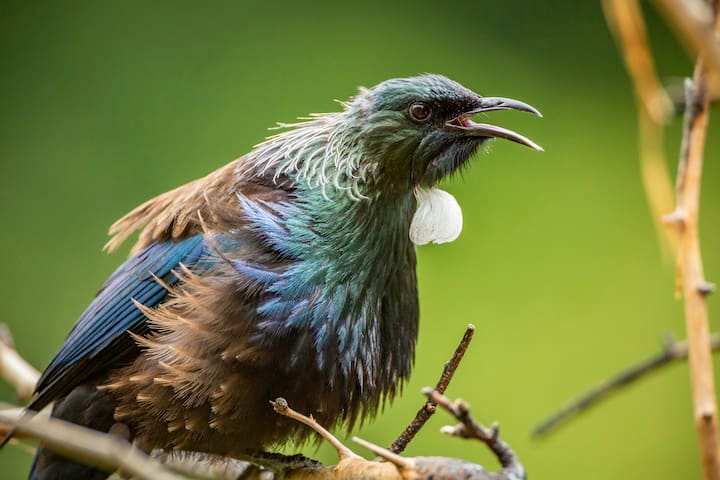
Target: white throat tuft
(438, 218)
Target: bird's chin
(452, 159)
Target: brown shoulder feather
(206, 203)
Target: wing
(180, 212)
(100, 337)
(171, 232)
(208, 203)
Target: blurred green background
(105, 104)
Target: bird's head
(418, 130)
(402, 136)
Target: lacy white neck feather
(438, 218)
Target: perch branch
(281, 406)
(469, 428)
(428, 409)
(672, 350)
(109, 452)
(396, 467)
(89, 446)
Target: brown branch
(349, 466)
(281, 406)
(671, 351)
(468, 428)
(428, 409)
(88, 446)
(689, 261)
(352, 466)
(112, 453)
(697, 25)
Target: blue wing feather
(100, 335)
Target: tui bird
(288, 272)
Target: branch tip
(281, 406)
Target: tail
(86, 406)
(51, 466)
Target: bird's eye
(420, 111)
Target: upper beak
(488, 104)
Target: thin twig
(428, 409)
(88, 446)
(671, 350)
(695, 288)
(395, 467)
(281, 406)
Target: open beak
(488, 104)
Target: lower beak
(463, 123)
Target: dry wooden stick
(428, 409)
(654, 108)
(109, 452)
(694, 286)
(280, 405)
(395, 467)
(88, 446)
(671, 351)
(469, 428)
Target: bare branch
(428, 409)
(88, 446)
(469, 428)
(112, 453)
(352, 466)
(685, 218)
(672, 350)
(281, 406)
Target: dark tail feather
(51, 466)
(86, 406)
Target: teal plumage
(288, 272)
